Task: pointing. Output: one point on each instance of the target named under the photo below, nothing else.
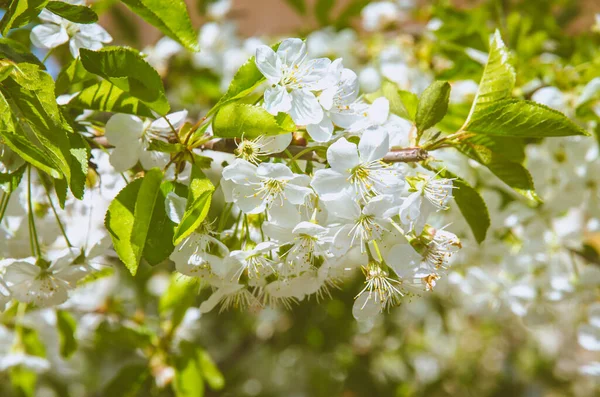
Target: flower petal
(330, 184)
(269, 64)
(343, 155)
(321, 132)
(374, 145)
(48, 36)
(277, 99)
(123, 129)
(305, 109)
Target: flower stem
(60, 225)
(4, 203)
(33, 236)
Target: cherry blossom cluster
(300, 231)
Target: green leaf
(211, 373)
(36, 121)
(23, 381)
(239, 119)
(66, 326)
(20, 13)
(80, 156)
(71, 75)
(119, 223)
(107, 97)
(188, 372)
(298, 5)
(137, 221)
(471, 205)
(147, 201)
(17, 52)
(521, 119)
(180, 295)
(159, 239)
(246, 79)
(510, 172)
(10, 181)
(322, 10)
(402, 103)
(433, 105)
(73, 13)
(126, 69)
(499, 76)
(128, 382)
(170, 16)
(485, 146)
(199, 198)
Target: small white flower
(357, 171)
(307, 239)
(45, 287)
(57, 31)
(5, 295)
(381, 292)
(200, 254)
(293, 78)
(440, 249)
(378, 15)
(131, 137)
(361, 225)
(252, 149)
(255, 189)
(255, 261)
(438, 192)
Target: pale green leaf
(188, 380)
(239, 119)
(80, 156)
(433, 105)
(180, 295)
(211, 373)
(66, 326)
(402, 103)
(126, 69)
(128, 381)
(72, 12)
(159, 239)
(20, 13)
(17, 52)
(521, 119)
(471, 205)
(170, 17)
(499, 76)
(199, 198)
(71, 75)
(107, 97)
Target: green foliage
(246, 79)
(107, 97)
(20, 13)
(10, 181)
(471, 205)
(198, 203)
(138, 223)
(170, 16)
(180, 295)
(188, 380)
(211, 373)
(72, 12)
(402, 103)
(72, 74)
(17, 52)
(433, 105)
(521, 119)
(298, 5)
(128, 382)
(323, 10)
(239, 119)
(66, 325)
(126, 69)
(33, 126)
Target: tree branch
(405, 155)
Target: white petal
(373, 145)
(343, 155)
(317, 76)
(240, 172)
(276, 143)
(297, 194)
(269, 64)
(365, 309)
(330, 184)
(79, 41)
(277, 99)
(305, 108)
(379, 111)
(48, 36)
(292, 52)
(125, 157)
(176, 119)
(274, 170)
(321, 132)
(95, 32)
(151, 159)
(123, 129)
(326, 97)
(175, 207)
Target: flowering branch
(404, 155)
